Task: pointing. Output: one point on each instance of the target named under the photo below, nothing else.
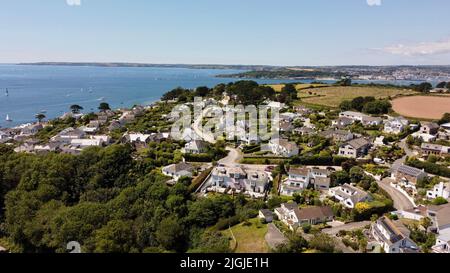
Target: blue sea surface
(52, 89)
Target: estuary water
(52, 89)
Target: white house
(176, 171)
(363, 118)
(300, 178)
(355, 148)
(283, 147)
(393, 236)
(253, 182)
(442, 242)
(294, 217)
(195, 147)
(349, 195)
(395, 125)
(440, 190)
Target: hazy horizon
(252, 32)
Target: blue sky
(281, 32)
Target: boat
(8, 118)
(7, 92)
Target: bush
(439, 201)
(306, 228)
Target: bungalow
(5, 137)
(363, 118)
(283, 147)
(176, 171)
(440, 190)
(114, 125)
(315, 215)
(342, 122)
(354, 116)
(68, 134)
(349, 195)
(434, 149)
(304, 131)
(395, 125)
(286, 126)
(393, 236)
(31, 129)
(47, 148)
(338, 135)
(429, 128)
(292, 216)
(446, 126)
(372, 121)
(84, 143)
(195, 147)
(408, 174)
(355, 148)
(302, 110)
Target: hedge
(197, 182)
(430, 167)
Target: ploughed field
(426, 107)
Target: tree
(424, 87)
(170, 234)
(426, 222)
(40, 117)
(346, 105)
(104, 107)
(323, 242)
(76, 108)
(440, 201)
(202, 91)
(441, 85)
(445, 119)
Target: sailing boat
(7, 92)
(8, 118)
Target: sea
(52, 90)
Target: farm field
(333, 96)
(301, 86)
(250, 237)
(425, 107)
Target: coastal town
(348, 179)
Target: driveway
(400, 201)
(348, 227)
(274, 237)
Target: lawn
(333, 96)
(250, 237)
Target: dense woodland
(108, 202)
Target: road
(197, 124)
(347, 227)
(400, 201)
(233, 157)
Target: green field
(333, 96)
(249, 238)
